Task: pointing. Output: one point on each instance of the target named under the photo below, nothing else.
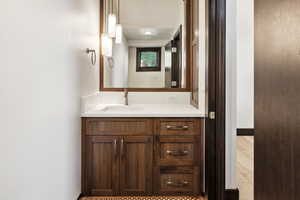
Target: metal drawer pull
(177, 153)
(122, 149)
(177, 127)
(177, 183)
(115, 149)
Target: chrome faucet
(126, 96)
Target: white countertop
(143, 110)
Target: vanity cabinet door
(136, 165)
(102, 165)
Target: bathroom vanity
(142, 155)
(145, 149)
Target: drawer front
(178, 150)
(119, 126)
(176, 182)
(189, 126)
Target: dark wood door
(277, 100)
(136, 164)
(102, 165)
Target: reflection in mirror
(143, 44)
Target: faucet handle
(126, 96)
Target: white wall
(41, 61)
(239, 78)
(245, 63)
(145, 79)
(116, 70)
(231, 93)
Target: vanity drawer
(178, 150)
(118, 126)
(178, 180)
(187, 126)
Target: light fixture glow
(112, 21)
(119, 33)
(106, 45)
(148, 33)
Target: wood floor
(245, 166)
(145, 198)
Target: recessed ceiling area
(149, 33)
(151, 19)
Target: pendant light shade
(112, 21)
(119, 33)
(106, 45)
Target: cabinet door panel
(136, 165)
(102, 165)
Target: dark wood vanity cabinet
(141, 156)
(136, 165)
(102, 165)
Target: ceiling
(161, 18)
(156, 33)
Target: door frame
(216, 74)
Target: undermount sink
(118, 108)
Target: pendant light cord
(112, 6)
(118, 11)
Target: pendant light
(106, 45)
(112, 21)
(119, 29)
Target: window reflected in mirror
(148, 44)
(148, 59)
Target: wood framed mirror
(163, 26)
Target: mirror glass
(146, 49)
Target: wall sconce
(93, 55)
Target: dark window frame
(138, 59)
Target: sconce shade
(106, 45)
(119, 33)
(112, 21)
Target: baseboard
(232, 194)
(80, 196)
(245, 132)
